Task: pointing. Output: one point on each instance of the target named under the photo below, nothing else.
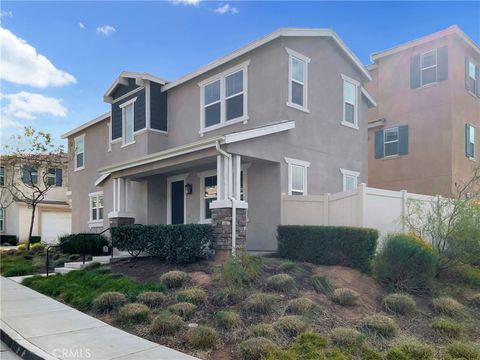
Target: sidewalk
(52, 330)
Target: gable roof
(138, 76)
(425, 39)
(86, 125)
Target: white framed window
(349, 179)
(223, 99)
(428, 67)
(2, 219)
(128, 121)
(51, 176)
(350, 101)
(297, 80)
(391, 142)
(472, 80)
(96, 208)
(470, 141)
(297, 176)
(2, 175)
(79, 143)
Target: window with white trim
(79, 143)
(297, 176)
(428, 67)
(297, 80)
(2, 175)
(51, 176)
(96, 207)
(2, 219)
(349, 179)
(128, 121)
(390, 142)
(472, 80)
(470, 141)
(350, 90)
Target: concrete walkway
(51, 330)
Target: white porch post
(119, 214)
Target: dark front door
(178, 202)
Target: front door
(178, 202)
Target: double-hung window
(51, 176)
(297, 80)
(224, 99)
(2, 219)
(30, 175)
(471, 78)
(349, 179)
(96, 208)
(209, 194)
(297, 176)
(428, 67)
(470, 141)
(390, 142)
(350, 99)
(2, 175)
(128, 122)
(79, 144)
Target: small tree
(31, 163)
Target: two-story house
(423, 133)
(286, 114)
(53, 216)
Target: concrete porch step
(63, 270)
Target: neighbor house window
(297, 80)
(96, 207)
(471, 78)
(79, 152)
(30, 175)
(390, 142)
(2, 176)
(51, 176)
(349, 179)
(2, 219)
(297, 176)
(428, 67)
(350, 90)
(128, 122)
(470, 141)
(224, 99)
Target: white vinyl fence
(361, 207)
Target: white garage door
(55, 224)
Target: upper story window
(79, 143)
(349, 179)
(350, 99)
(224, 99)
(128, 122)
(297, 80)
(2, 176)
(472, 77)
(470, 141)
(30, 175)
(96, 207)
(429, 67)
(391, 142)
(297, 176)
(51, 175)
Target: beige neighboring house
(423, 134)
(53, 216)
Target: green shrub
(227, 319)
(183, 309)
(262, 330)
(447, 327)
(347, 337)
(133, 313)
(328, 245)
(10, 239)
(152, 299)
(280, 282)
(323, 285)
(445, 305)
(410, 349)
(37, 248)
(380, 325)
(400, 304)
(405, 263)
(202, 337)
(345, 297)
(290, 266)
(259, 303)
(174, 278)
(194, 295)
(166, 324)
(475, 300)
(290, 326)
(464, 351)
(313, 346)
(73, 244)
(300, 306)
(256, 348)
(19, 270)
(464, 274)
(35, 239)
(174, 244)
(240, 270)
(22, 247)
(109, 301)
(229, 295)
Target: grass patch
(259, 303)
(227, 319)
(262, 330)
(345, 297)
(174, 279)
(108, 302)
(347, 337)
(380, 325)
(194, 295)
(166, 324)
(447, 327)
(184, 309)
(448, 306)
(300, 306)
(402, 304)
(202, 337)
(280, 282)
(152, 299)
(288, 266)
(290, 326)
(240, 270)
(256, 348)
(133, 313)
(79, 288)
(229, 295)
(410, 349)
(16, 265)
(322, 285)
(461, 350)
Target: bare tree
(32, 164)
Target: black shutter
(58, 177)
(26, 178)
(378, 144)
(415, 71)
(403, 140)
(477, 76)
(442, 63)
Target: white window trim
(471, 126)
(355, 113)
(305, 165)
(306, 60)
(474, 78)
(428, 67)
(97, 222)
(389, 142)
(181, 177)
(75, 152)
(54, 175)
(221, 76)
(122, 107)
(202, 175)
(349, 173)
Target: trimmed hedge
(93, 244)
(328, 245)
(174, 244)
(35, 239)
(8, 239)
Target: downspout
(230, 197)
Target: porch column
(120, 215)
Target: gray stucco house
(286, 114)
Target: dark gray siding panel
(116, 122)
(124, 89)
(140, 116)
(158, 108)
(140, 119)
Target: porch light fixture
(188, 189)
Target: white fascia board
(86, 125)
(262, 131)
(369, 97)
(101, 179)
(122, 80)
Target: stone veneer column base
(121, 221)
(222, 231)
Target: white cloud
(186, 2)
(81, 25)
(226, 9)
(7, 123)
(21, 64)
(5, 13)
(106, 29)
(27, 106)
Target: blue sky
(76, 49)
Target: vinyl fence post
(326, 209)
(361, 191)
(404, 209)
